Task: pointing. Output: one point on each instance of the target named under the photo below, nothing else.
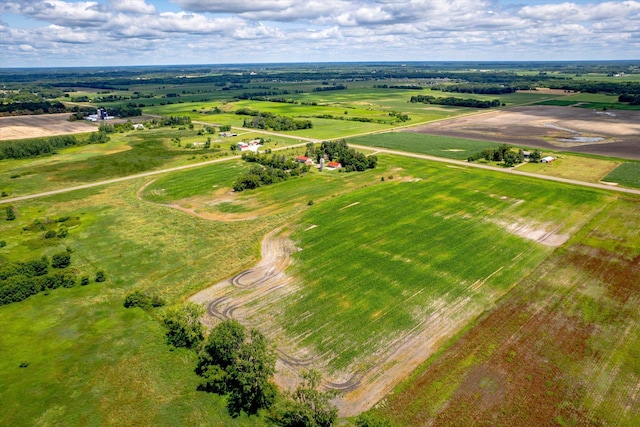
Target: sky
(57, 33)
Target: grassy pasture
(597, 101)
(581, 168)
(96, 362)
(125, 154)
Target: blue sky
(40, 33)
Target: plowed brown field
(581, 130)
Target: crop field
(359, 102)
(433, 145)
(347, 308)
(581, 130)
(627, 174)
(23, 127)
(562, 348)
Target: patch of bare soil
(611, 133)
(43, 125)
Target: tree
(184, 327)
(535, 156)
(306, 406)
(250, 387)
(238, 364)
(510, 158)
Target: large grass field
(91, 361)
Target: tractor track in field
(252, 297)
(266, 277)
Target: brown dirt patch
(37, 126)
(549, 127)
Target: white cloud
(132, 6)
(328, 30)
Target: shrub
(61, 260)
(142, 300)
(84, 281)
(100, 277)
(11, 213)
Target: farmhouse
(249, 146)
(304, 159)
(548, 159)
(334, 165)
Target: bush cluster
(142, 300)
(20, 280)
(504, 154)
(269, 170)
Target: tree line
(240, 364)
(27, 108)
(270, 121)
(456, 102)
(484, 89)
(630, 99)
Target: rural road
(361, 147)
(510, 171)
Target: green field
(125, 154)
(433, 145)
(96, 362)
(521, 292)
(627, 174)
(421, 231)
